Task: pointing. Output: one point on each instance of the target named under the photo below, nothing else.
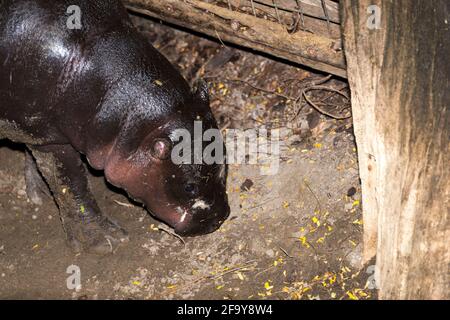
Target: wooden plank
(246, 30)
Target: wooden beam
(399, 75)
(301, 47)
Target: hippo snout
(203, 221)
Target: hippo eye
(161, 148)
(191, 188)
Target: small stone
(235, 25)
(348, 206)
(351, 191)
(270, 253)
(354, 258)
(279, 107)
(246, 185)
(313, 119)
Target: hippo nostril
(191, 188)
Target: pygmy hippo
(96, 87)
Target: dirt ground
(292, 235)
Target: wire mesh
(293, 14)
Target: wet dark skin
(102, 91)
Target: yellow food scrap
(304, 242)
(278, 261)
(361, 293)
(333, 279)
(219, 287)
(317, 145)
(356, 203)
(345, 269)
(136, 283)
(351, 295)
(268, 286)
(316, 221)
(358, 221)
(158, 82)
(285, 204)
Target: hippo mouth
(199, 218)
(198, 230)
(196, 223)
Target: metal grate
(293, 14)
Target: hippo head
(190, 196)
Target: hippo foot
(101, 236)
(36, 188)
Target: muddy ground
(295, 234)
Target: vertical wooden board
(400, 80)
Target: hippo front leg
(85, 226)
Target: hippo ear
(161, 148)
(201, 90)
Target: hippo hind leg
(36, 187)
(87, 229)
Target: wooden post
(399, 75)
